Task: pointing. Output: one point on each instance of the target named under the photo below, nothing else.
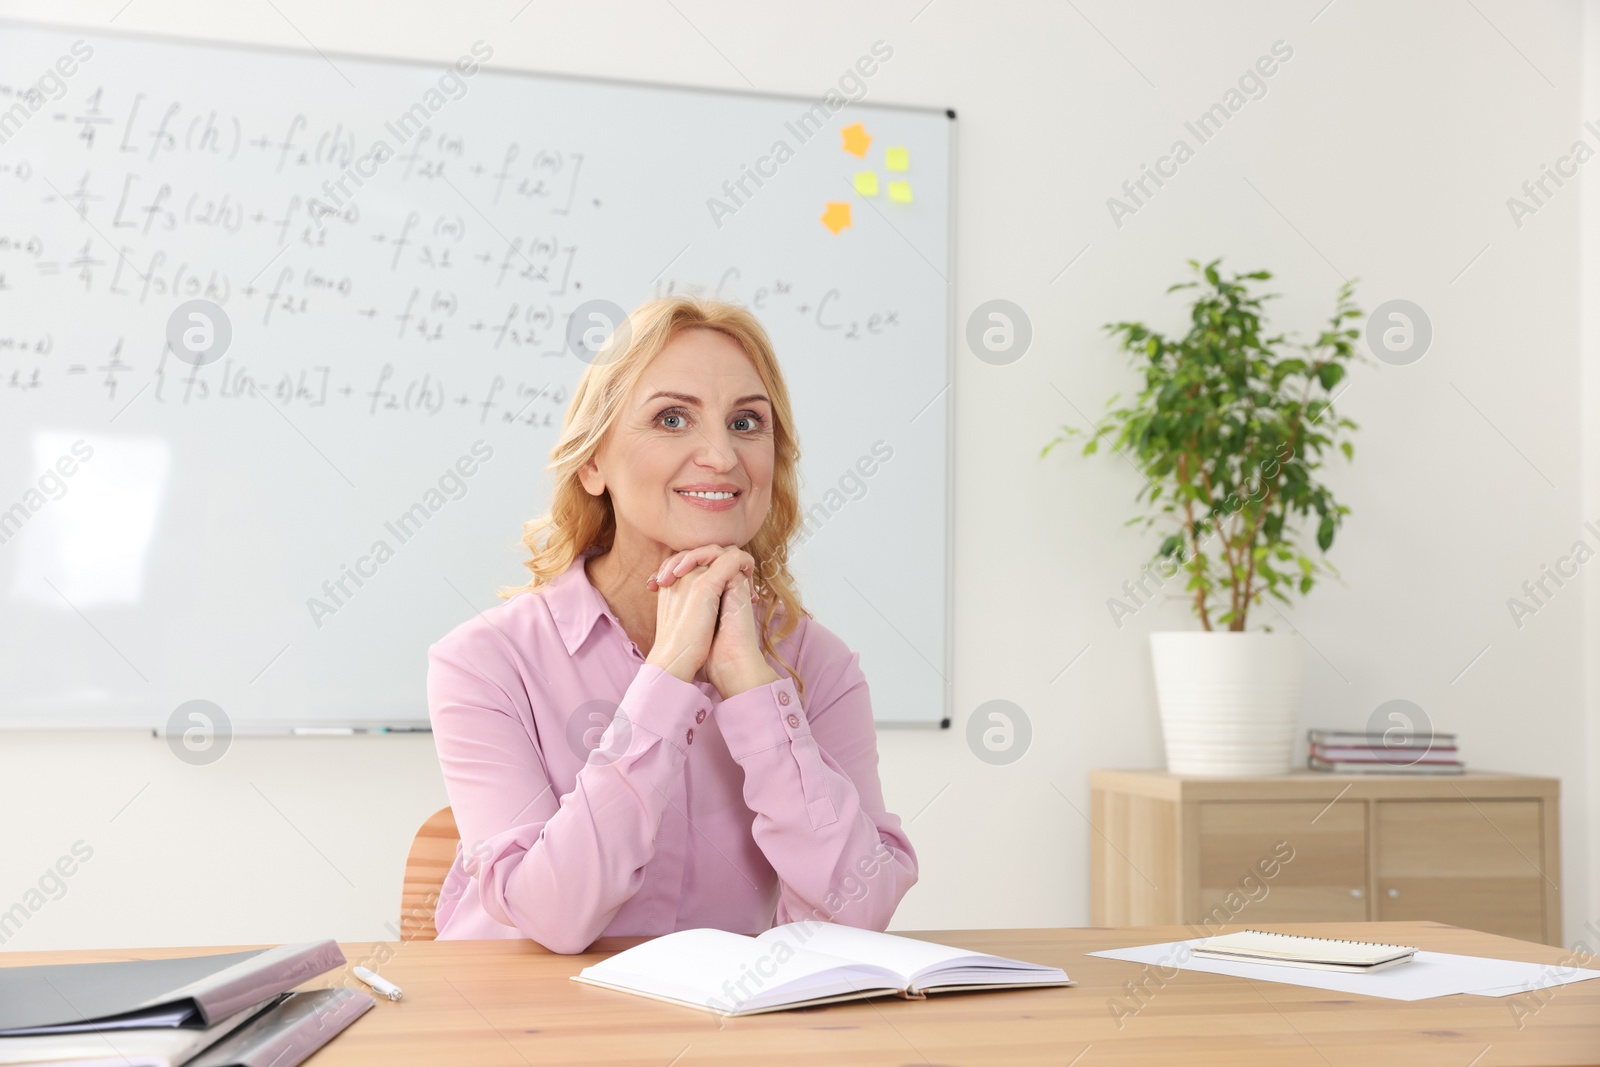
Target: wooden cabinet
(1326, 859)
(1474, 864)
(1479, 850)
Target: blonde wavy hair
(577, 521)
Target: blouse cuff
(662, 705)
(762, 718)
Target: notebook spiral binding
(1335, 940)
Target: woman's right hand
(689, 588)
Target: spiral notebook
(1292, 950)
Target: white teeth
(708, 496)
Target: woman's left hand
(735, 662)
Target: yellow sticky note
(867, 182)
(900, 192)
(895, 159)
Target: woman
(627, 750)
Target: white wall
(1589, 502)
(1384, 149)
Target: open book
(801, 964)
(1322, 953)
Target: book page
(907, 956)
(727, 971)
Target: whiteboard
(398, 315)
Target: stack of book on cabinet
(1389, 752)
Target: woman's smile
(710, 497)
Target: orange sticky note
(900, 192)
(896, 159)
(856, 140)
(867, 182)
(837, 215)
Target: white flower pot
(1229, 700)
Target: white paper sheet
(1429, 974)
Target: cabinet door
(1473, 863)
(1317, 854)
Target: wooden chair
(433, 850)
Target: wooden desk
(510, 1004)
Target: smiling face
(697, 428)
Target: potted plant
(1229, 432)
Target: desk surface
(492, 1003)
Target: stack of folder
(235, 1008)
(1356, 751)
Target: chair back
(433, 850)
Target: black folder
(188, 991)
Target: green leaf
(1229, 442)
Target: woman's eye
(742, 424)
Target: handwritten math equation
(447, 275)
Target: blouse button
(689, 738)
(700, 716)
(793, 721)
(783, 698)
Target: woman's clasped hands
(705, 617)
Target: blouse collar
(575, 604)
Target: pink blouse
(597, 794)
